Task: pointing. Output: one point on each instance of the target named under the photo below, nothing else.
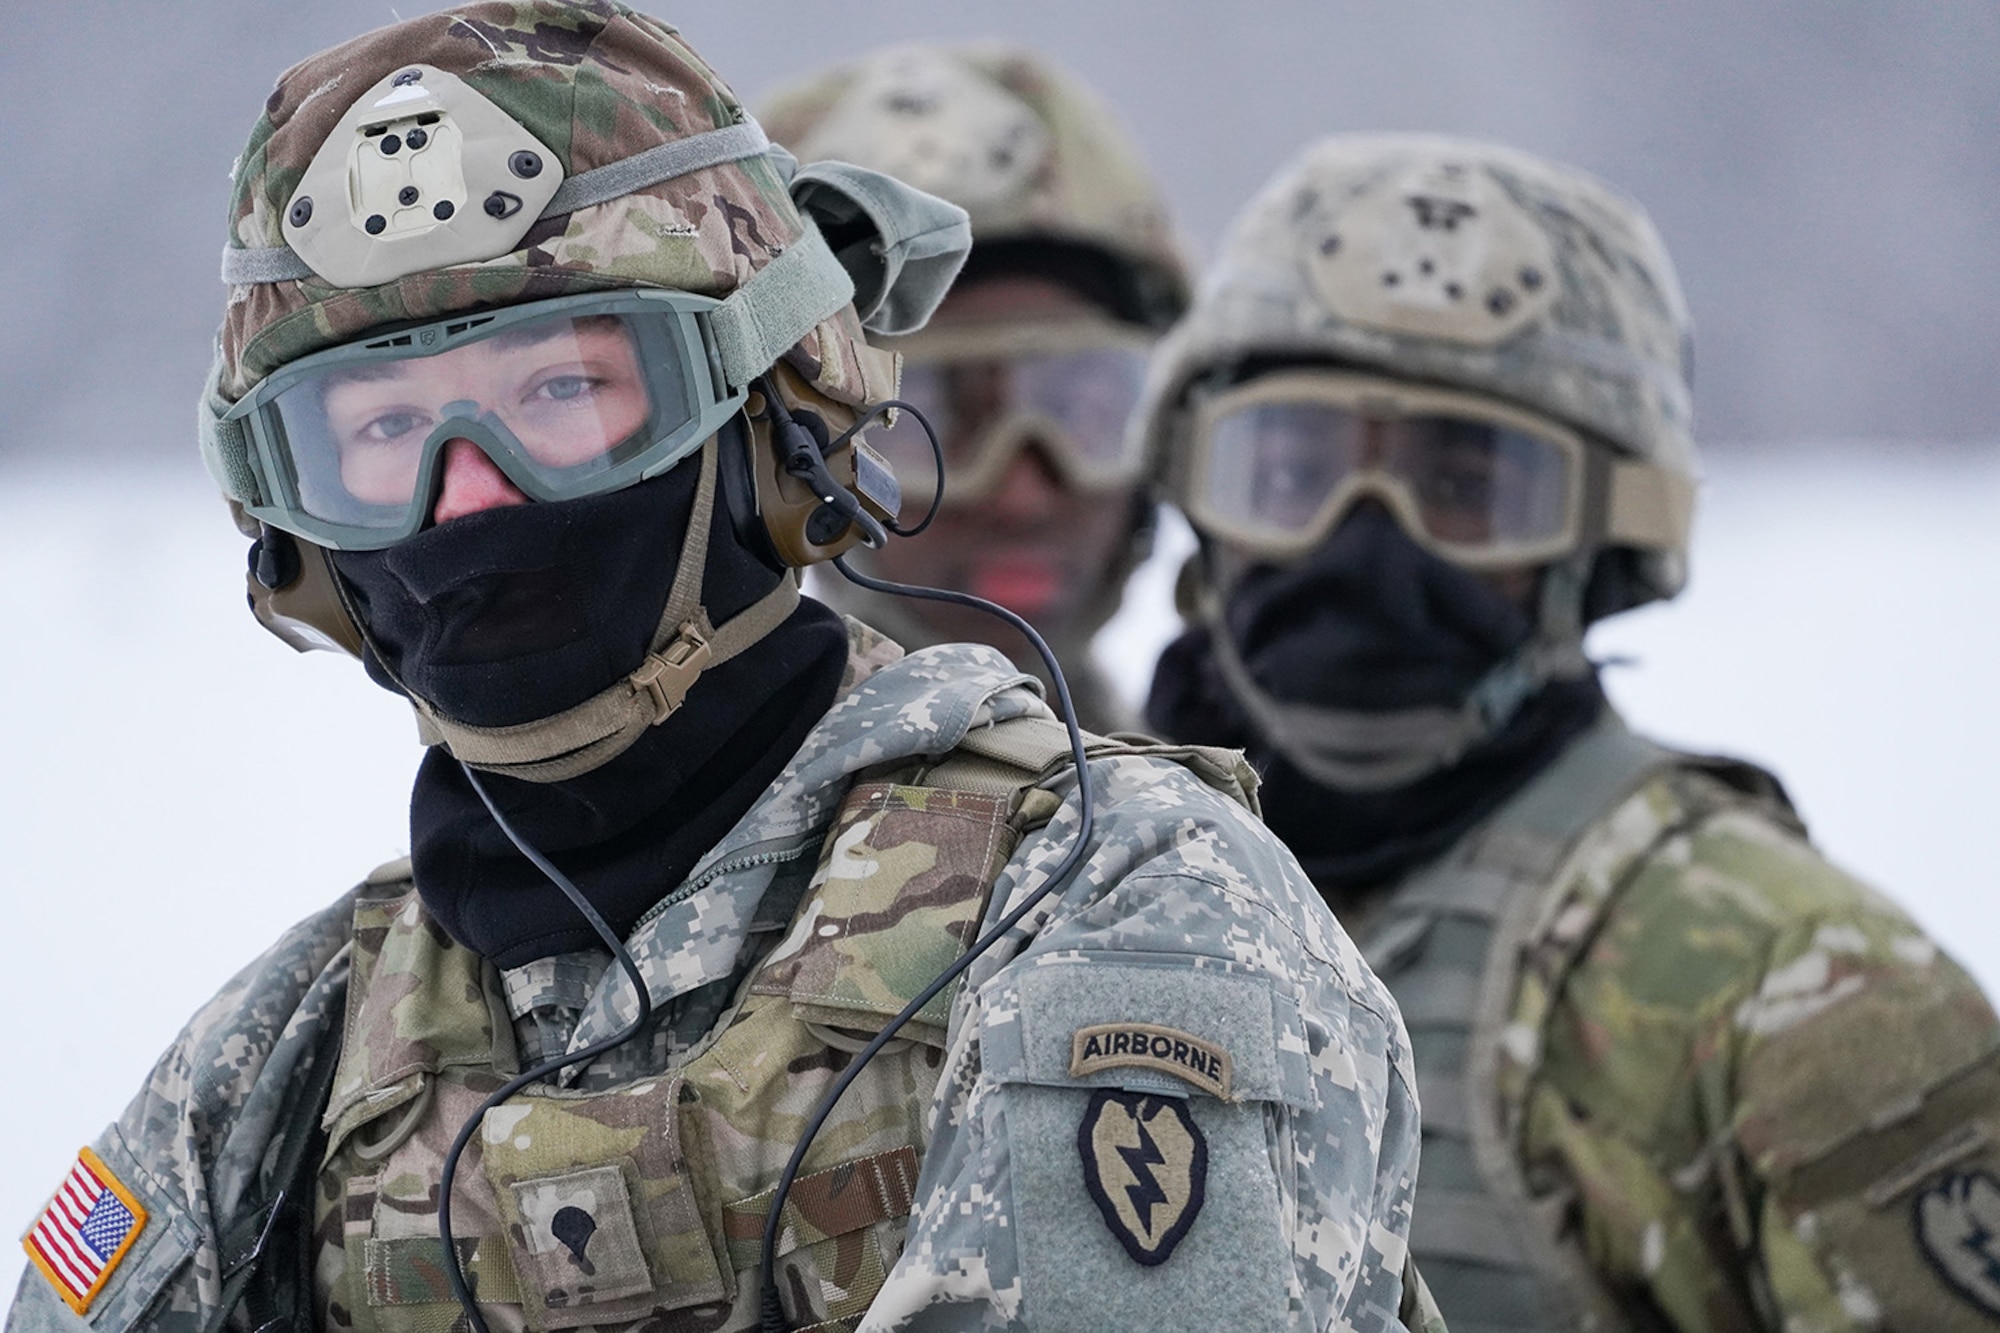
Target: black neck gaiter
(516, 613)
(1369, 622)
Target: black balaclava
(1368, 624)
(516, 613)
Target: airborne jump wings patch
(89, 1225)
(1145, 1163)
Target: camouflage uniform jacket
(1174, 1097)
(1746, 1091)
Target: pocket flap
(1121, 1021)
(899, 892)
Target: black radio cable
(772, 1315)
(453, 1270)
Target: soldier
(1430, 419)
(538, 381)
(1034, 360)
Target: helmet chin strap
(1371, 751)
(592, 733)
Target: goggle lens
(1074, 403)
(564, 404)
(1292, 470)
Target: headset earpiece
(813, 504)
(295, 594)
(736, 479)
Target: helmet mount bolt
(442, 210)
(407, 195)
(416, 138)
(375, 225)
(500, 204)
(391, 145)
(301, 211)
(525, 164)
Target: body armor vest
(647, 1200)
(1449, 942)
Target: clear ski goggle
(1277, 463)
(573, 396)
(987, 389)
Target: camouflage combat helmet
(1028, 150)
(506, 153)
(589, 90)
(1473, 267)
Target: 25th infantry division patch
(1958, 1227)
(1145, 1162)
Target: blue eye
(563, 388)
(393, 426)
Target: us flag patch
(88, 1226)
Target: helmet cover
(594, 83)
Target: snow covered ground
(178, 787)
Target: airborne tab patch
(1150, 1046)
(88, 1227)
(1145, 1163)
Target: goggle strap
(779, 306)
(663, 162)
(225, 444)
(1647, 506)
(581, 738)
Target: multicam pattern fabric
(1750, 1069)
(1184, 911)
(595, 81)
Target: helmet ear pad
(295, 594)
(773, 510)
(736, 477)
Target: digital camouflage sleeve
(1786, 1117)
(1057, 1130)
